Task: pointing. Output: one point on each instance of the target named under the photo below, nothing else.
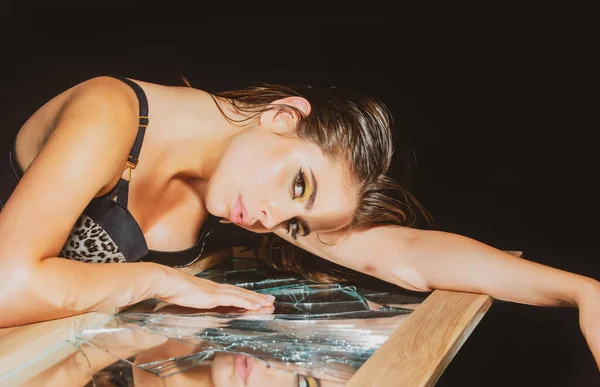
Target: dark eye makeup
(299, 185)
(298, 191)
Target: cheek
(258, 173)
(231, 173)
(263, 176)
(254, 158)
(263, 376)
(268, 172)
(221, 377)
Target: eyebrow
(313, 195)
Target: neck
(194, 144)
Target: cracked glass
(317, 335)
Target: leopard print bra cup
(106, 231)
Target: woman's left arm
(424, 260)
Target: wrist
(155, 280)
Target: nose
(271, 215)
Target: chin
(218, 209)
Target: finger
(216, 286)
(262, 299)
(229, 299)
(265, 310)
(254, 297)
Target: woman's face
(225, 370)
(267, 176)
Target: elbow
(416, 282)
(406, 265)
(409, 278)
(16, 275)
(15, 286)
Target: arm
(83, 157)
(426, 260)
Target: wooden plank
(420, 349)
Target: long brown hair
(355, 128)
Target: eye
(293, 227)
(299, 187)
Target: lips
(243, 366)
(238, 213)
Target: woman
(143, 186)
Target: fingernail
(270, 297)
(258, 306)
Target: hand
(168, 308)
(589, 318)
(190, 291)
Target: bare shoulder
(104, 85)
(98, 101)
(83, 155)
(102, 94)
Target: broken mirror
(316, 335)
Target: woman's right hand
(187, 290)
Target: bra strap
(143, 122)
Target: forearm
(424, 260)
(454, 262)
(57, 287)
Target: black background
(496, 104)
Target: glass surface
(317, 334)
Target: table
(416, 354)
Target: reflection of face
(239, 370)
(273, 173)
(225, 370)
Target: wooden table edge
(421, 348)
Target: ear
(286, 112)
(299, 103)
